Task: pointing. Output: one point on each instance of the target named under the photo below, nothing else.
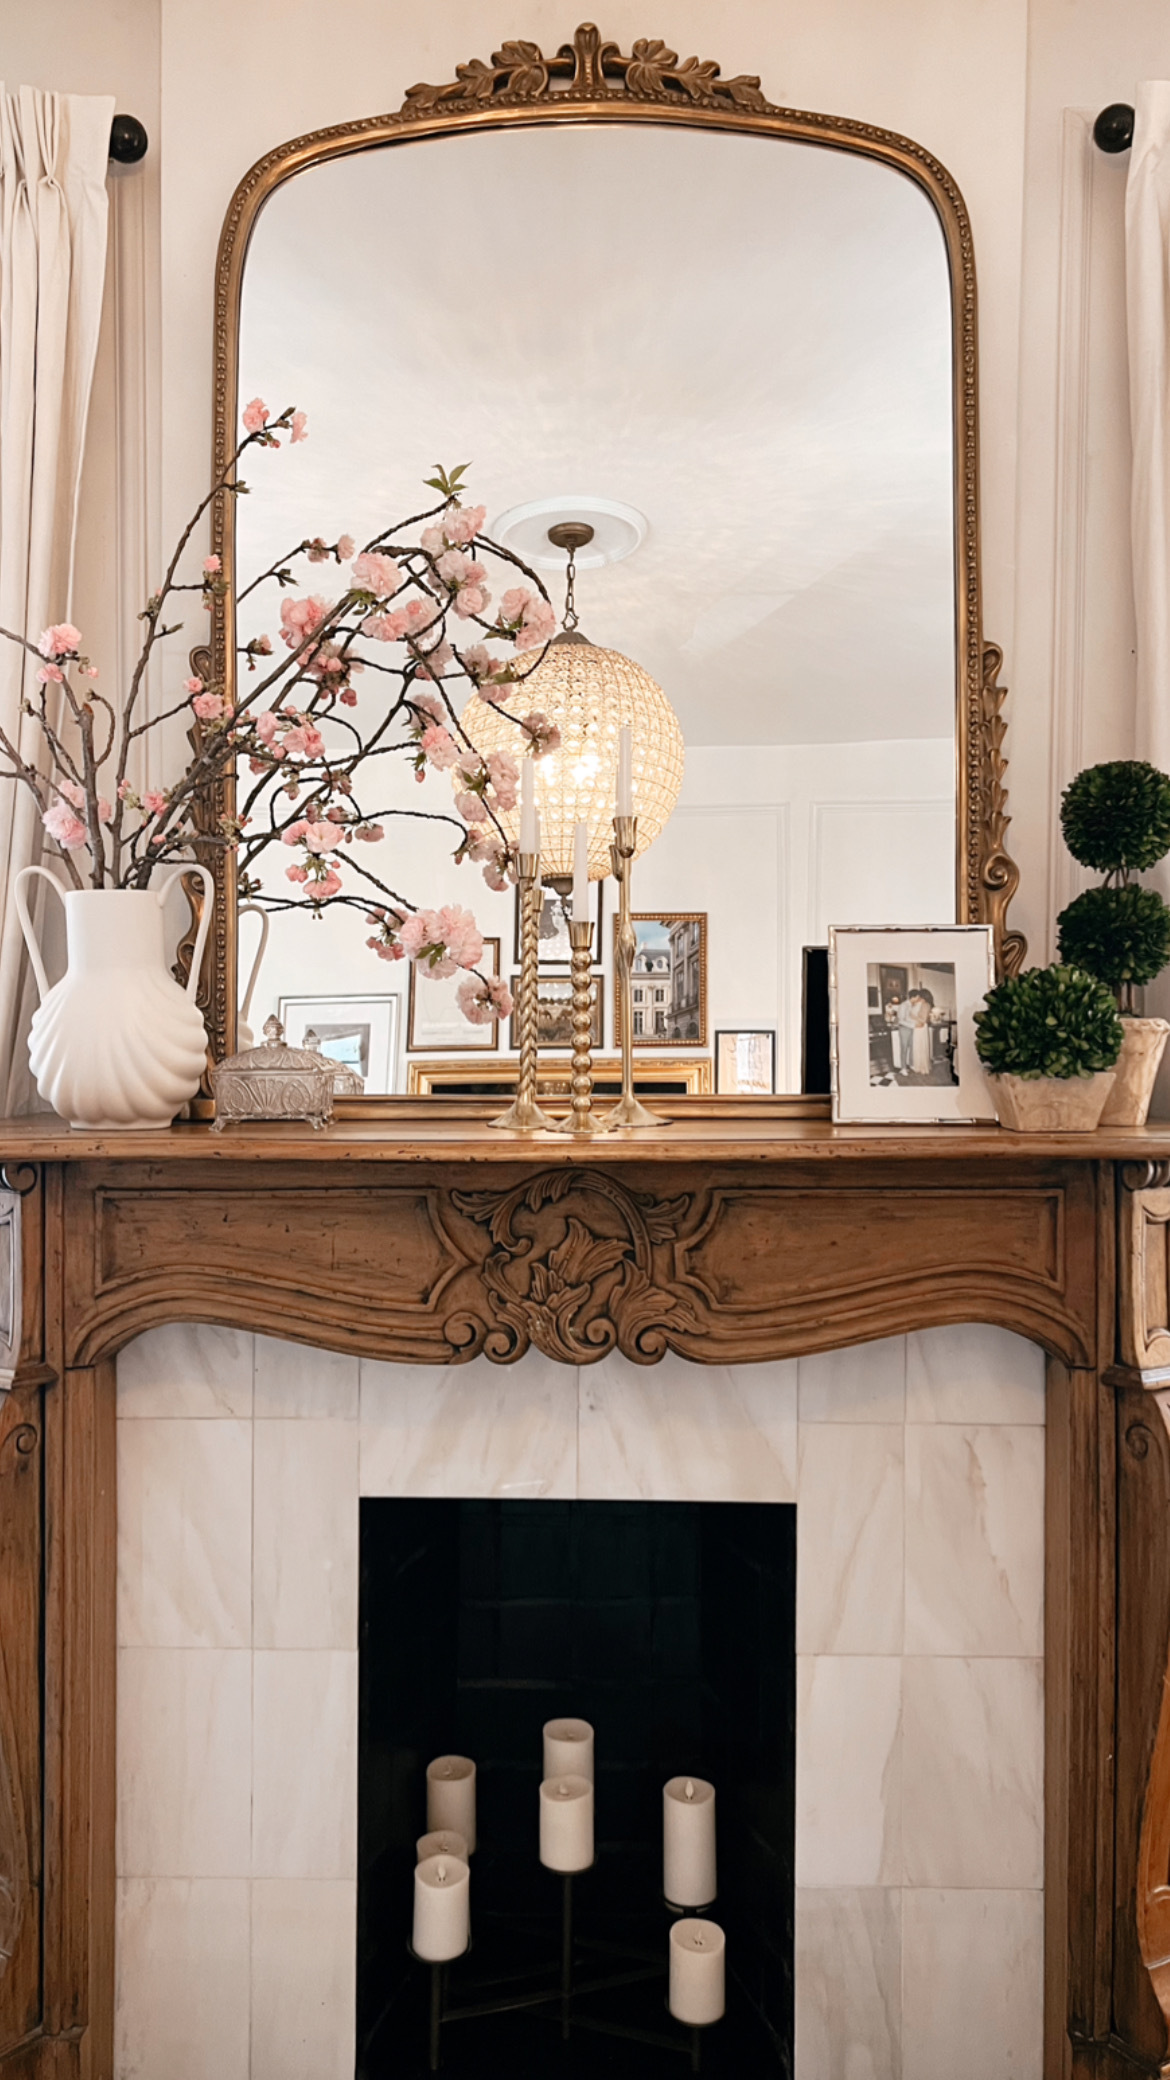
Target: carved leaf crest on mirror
(519, 71)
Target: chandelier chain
(572, 617)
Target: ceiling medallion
(616, 531)
(592, 70)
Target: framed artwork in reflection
(435, 1024)
(668, 987)
(745, 1062)
(555, 950)
(361, 1032)
(554, 1011)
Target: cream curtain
(53, 154)
(1147, 256)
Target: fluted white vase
(117, 1042)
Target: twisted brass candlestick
(629, 1111)
(582, 1118)
(524, 1114)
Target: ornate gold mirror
(739, 343)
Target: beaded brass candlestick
(629, 1111)
(582, 1118)
(524, 1115)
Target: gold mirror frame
(591, 78)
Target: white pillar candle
(688, 1842)
(528, 838)
(580, 873)
(566, 1823)
(568, 1749)
(451, 1798)
(445, 1842)
(442, 1908)
(698, 1952)
(625, 771)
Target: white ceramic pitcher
(117, 1042)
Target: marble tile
(677, 1432)
(184, 1762)
(864, 1384)
(304, 1961)
(849, 1539)
(848, 1770)
(476, 1429)
(182, 1989)
(304, 1765)
(186, 1369)
(184, 1533)
(973, 1763)
(296, 1379)
(306, 1536)
(974, 1538)
(973, 1985)
(973, 1373)
(849, 1985)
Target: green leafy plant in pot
(1049, 1040)
(1116, 819)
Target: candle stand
(524, 1115)
(561, 2001)
(630, 1111)
(582, 1119)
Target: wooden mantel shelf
(449, 1139)
(724, 1239)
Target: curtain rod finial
(128, 140)
(1113, 129)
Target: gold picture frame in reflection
(668, 988)
(434, 1022)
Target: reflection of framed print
(554, 1011)
(435, 1024)
(668, 988)
(902, 1005)
(361, 1032)
(745, 1062)
(554, 946)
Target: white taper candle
(529, 842)
(625, 771)
(580, 873)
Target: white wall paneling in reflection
(917, 1468)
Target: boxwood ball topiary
(1117, 816)
(1048, 1022)
(1119, 935)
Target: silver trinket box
(274, 1081)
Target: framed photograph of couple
(902, 1004)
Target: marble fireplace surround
(752, 1249)
(917, 1464)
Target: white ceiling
(749, 341)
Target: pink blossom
(495, 877)
(318, 550)
(455, 567)
(316, 837)
(471, 599)
(89, 671)
(296, 873)
(385, 628)
(300, 617)
(262, 645)
(154, 802)
(482, 999)
(433, 663)
(266, 727)
(50, 674)
(64, 826)
(304, 740)
(459, 524)
(125, 791)
(443, 940)
(325, 886)
(299, 427)
(387, 950)
(211, 566)
(345, 547)
(193, 685)
(348, 697)
(376, 573)
(370, 832)
(255, 415)
(504, 774)
(543, 735)
(77, 797)
(470, 807)
(421, 615)
(60, 640)
(427, 703)
(439, 746)
(537, 621)
(209, 706)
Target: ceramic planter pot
(1051, 1104)
(1137, 1067)
(117, 1042)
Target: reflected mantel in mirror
(736, 341)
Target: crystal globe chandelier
(588, 693)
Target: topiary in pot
(1049, 1039)
(1116, 818)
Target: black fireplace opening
(671, 1628)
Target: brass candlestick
(582, 1118)
(524, 1114)
(629, 1111)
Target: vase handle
(253, 910)
(26, 924)
(192, 867)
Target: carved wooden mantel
(723, 1241)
